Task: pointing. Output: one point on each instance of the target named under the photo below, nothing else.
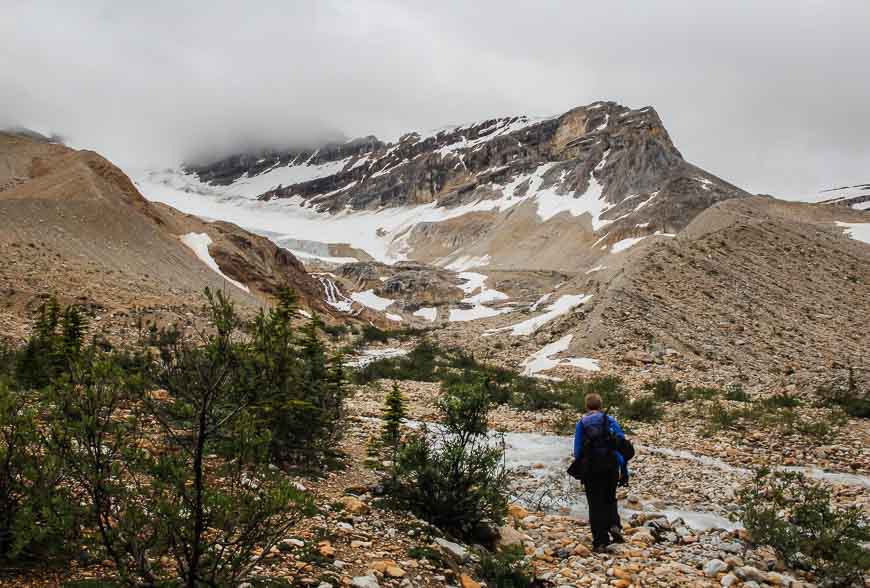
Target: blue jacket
(614, 428)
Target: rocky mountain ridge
(602, 172)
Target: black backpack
(599, 450)
(599, 446)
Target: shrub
(419, 365)
(720, 418)
(781, 400)
(846, 393)
(58, 335)
(610, 388)
(372, 334)
(701, 393)
(665, 390)
(199, 488)
(293, 388)
(391, 432)
(643, 409)
(507, 568)
(454, 476)
(794, 515)
(36, 512)
(735, 392)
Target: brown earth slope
(72, 224)
(757, 286)
(753, 289)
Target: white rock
(365, 582)
(729, 580)
(713, 567)
(454, 549)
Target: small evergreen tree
(455, 476)
(198, 488)
(298, 391)
(394, 414)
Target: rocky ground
(675, 518)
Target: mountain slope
(566, 188)
(778, 290)
(73, 224)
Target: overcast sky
(773, 95)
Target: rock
(365, 582)
(394, 572)
(638, 357)
(729, 580)
(582, 551)
(454, 550)
(354, 505)
(643, 536)
(467, 581)
(517, 512)
(326, 549)
(620, 583)
(509, 536)
(324, 585)
(714, 567)
(748, 573)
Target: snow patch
(591, 202)
(367, 356)
(625, 244)
(563, 305)
(540, 301)
(429, 313)
(542, 360)
(198, 243)
(370, 299)
(857, 231)
(474, 285)
(466, 262)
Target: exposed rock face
(602, 171)
(857, 197)
(413, 283)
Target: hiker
(602, 467)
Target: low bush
(644, 409)
(846, 393)
(701, 393)
(781, 400)
(37, 513)
(665, 390)
(735, 392)
(795, 516)
(507, 568)
(454, 476)
(610, 388)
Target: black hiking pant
(603, 512)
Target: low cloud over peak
(770, 95)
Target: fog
(773, 96)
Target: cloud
(770, 95)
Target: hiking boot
(616, 534)
(602, 548)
